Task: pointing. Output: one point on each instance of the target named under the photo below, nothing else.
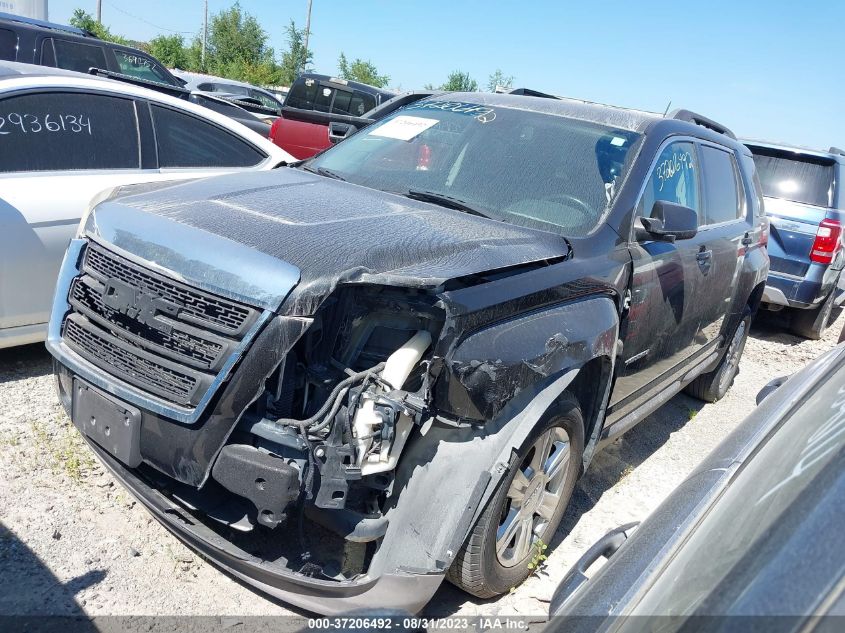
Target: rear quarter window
(796, 177)
(135, 64)
(67, 131)
(187, 141)
(8, 45)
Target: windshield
(795, 177)
(537, 170)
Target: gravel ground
(73, 542)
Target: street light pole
(204, 32)
(307, 33)
(100, 11)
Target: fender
(490, 367)
(447, 476)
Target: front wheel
(713, 385)
(527, 507)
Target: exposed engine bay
(329, 430)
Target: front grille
(199, 350)
(159, 335)
(220, 314)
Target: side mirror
(668, 222)
(339, 131)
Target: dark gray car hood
(332, 232)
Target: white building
(28, 8)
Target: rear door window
(8, 45)
(721, 195)
(58, 131)
(795, 177)
(186, 141)
(77, 56)
(135, 64)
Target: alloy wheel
(533, 496)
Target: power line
(140, 19)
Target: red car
(316, 101)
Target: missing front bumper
(409, 592)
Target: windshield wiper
(444, 201)
(322, 171)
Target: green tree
(236, 44)
(295, 59)
(170, 50)
(458, 81)
(499, 80)
(83, 20)
(360, 70)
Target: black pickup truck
(314, 104)
(348, 380)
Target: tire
(713, 385)
(485, 570)
(812, 323)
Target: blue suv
(805, 202)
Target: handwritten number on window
(672, 166)
(33, 124)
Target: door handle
(747, 239)
(704, 256)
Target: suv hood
(252, 236)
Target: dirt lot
(72, 541)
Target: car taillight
(827, 243)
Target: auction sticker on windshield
(404, 128)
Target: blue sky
(771, 70)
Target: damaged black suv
(346, 380)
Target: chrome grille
(159, 335)
(197, 306)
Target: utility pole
(100, 11)
(307, 33)
(204, 32)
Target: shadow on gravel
(607, 468)
(27, 361)
(620, 458)
(31, 597)
(774, 327)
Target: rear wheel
(713, 385)
(527, 507)
(812, 323)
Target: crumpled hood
(332, 232)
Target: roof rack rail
(44, 24)
(703, 121)
(173, 91)
(836, 150)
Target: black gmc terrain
(347, 380)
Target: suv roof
(834, 153)
(45, 25)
